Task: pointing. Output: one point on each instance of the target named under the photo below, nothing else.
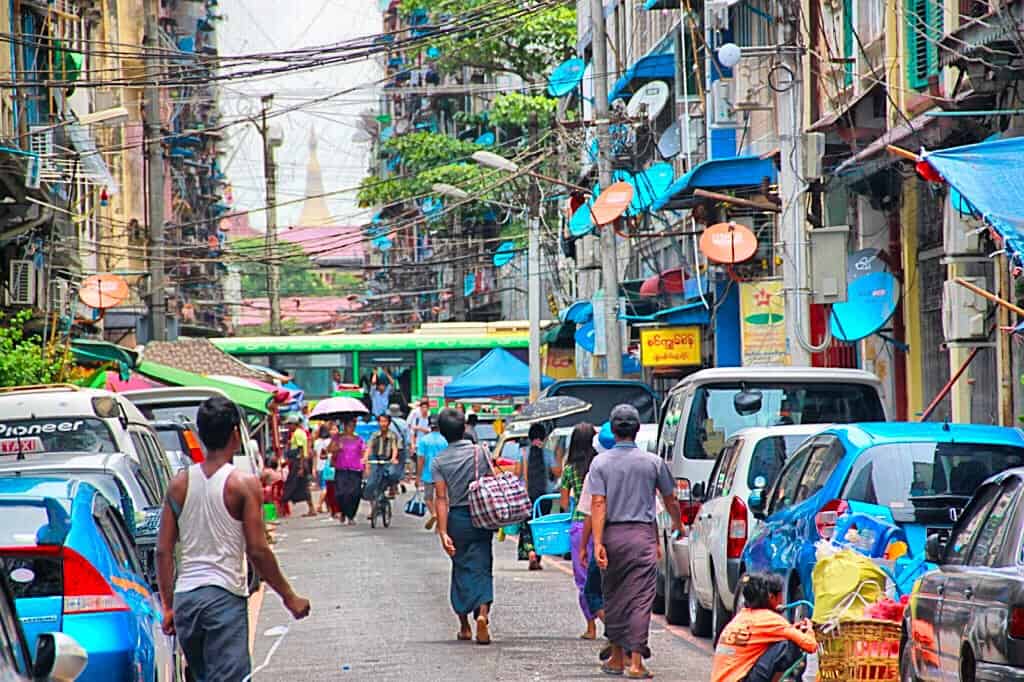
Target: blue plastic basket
(551, 532)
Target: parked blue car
(918, 476)
(72, 567)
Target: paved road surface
(381, 612)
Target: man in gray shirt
(623, 482)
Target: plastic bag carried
(844, 584)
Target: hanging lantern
(928, 172)
(104, 197)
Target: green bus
(421, 362)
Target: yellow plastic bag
(844, 584)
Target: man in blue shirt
(428, 447)
(380, 394)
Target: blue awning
(661, 4)
(737, 171)
(658, 64)
(689, 313)
(990, 178)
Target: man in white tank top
(215, 514)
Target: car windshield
(172, 413)
(904, 475)
(22, 437)
(603, 397)
(768, 457)
(713, 416)
(106, 483)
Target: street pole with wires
(609, 264)
(155, 167)
(533, 277)
(270, 242)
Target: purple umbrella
(338, 408)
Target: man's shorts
(213, 630)
(428, 492)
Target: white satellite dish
(653, 95)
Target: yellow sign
(763, 323)
(670, 346)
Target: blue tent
(498, 373)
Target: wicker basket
(859, 651)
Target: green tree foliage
(298, 274)
(23, 360)
(528, 46)
(515, 109)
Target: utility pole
(793, 227)
(270, 177)
(533, 277)
(155, 163)
(458, 305)
(609, 264)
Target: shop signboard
(670, 346)
(763, 323)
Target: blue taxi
(72, 567)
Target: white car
(750, 460)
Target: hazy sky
(272, 25)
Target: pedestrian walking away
(300, 460)
(429, 446)
(577, 466)
(419, 423)
(325, 469)
(213, 515)
(539, 469)
(470, 548)
(471, 421)
(379, 459)
(623, 482)
(346, 450)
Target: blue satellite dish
(431, 206)
(580, 312)
(505, 253)
(651, 184)
(383, 243)
(581, 222)
(565, 77)
(585, 337)
(486, 140)
(433, 52)
(870, 302)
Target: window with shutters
(849, 43)
(923, 30)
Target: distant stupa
(314, 209)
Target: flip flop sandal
(587, 636)
(463, 637)
(608, 670)
(644, 674)
(606, 652)
(483, 631)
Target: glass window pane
(446, 363)
(993, 533)
(768, 458)
(963, 534)
(785, 491)
(824, 460)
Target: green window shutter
(924, 30)
(849, 44)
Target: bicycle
(380, 506)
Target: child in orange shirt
(759, 644)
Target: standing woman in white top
(215, 513)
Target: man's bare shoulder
(243, 482)
(178, 487)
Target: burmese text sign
(670, 346)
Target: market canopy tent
(254, 399)
(498, 373)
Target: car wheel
(675, 609)
(796, 593)
(700, 617)
(738, 603)
(968, 667)
(907, 662)
(719, 616)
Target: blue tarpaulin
(499, 373)
(990, 179)
(738, 171)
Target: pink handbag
(497, 500)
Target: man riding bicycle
(759, 644)
(381, 455)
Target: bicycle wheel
(385, 514)
(373, 516)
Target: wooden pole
(989, 295)
(902, 153)
(736, 201)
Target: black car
(966, 619)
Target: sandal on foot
(609, 670)
(606, 652)
(588, 636)
(464, 636)
(483, 631)
(644, 674)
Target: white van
(706, 408)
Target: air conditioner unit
(722, 111)
(964, 312)
(40, 143)
(960, 235)
(814, 150)
(21, 283)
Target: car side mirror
(58, 657)
(934, 549)
(698, 491)
(755, 503)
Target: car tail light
(85, 590)
(825, 520)
(737, 529)
(195, 450)
(688, 508)
(1016, 622)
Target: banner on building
(763, 323)
(670, 346)
(560, 363)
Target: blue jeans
(213, 631)
(381, 475)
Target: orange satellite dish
(104, 291)
(612, 203)
(728, 243)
